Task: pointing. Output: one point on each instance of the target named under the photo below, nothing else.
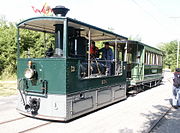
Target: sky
(153, 21)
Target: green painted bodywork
(53, 70)
(61, 79)
(152, 71)
(75, 83)
(140, 72)
(61, 73)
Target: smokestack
(60, 11)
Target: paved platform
(134, 115)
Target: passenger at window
(94, 50)
(107, 55)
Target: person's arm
(111, 55)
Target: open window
(80, 38)
(40, 38)
(108, 62)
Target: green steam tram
(66, 82)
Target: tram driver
(107, 55)
(94, 50)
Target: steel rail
(4, 122)
(35, 127)
(158, 121)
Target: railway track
(27, 129)
(12, 120)
(158, 120)
(35, 127)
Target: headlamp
(29, 73)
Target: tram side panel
(88, 94)
(152, 65)
(146, 69)
(152, 72)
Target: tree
(7, 47)
(34, 42)
(170, 54)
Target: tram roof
(150, 48)
(46, 24)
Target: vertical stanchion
(116, 73)
(89, 57)
(125, 54)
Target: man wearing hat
(107, 55)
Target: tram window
(160, 60)
(145, 58)
(129, 58)
(149, 58)
(77, 43)
(120, 57)
(100, 67)
(78, 47)
(35, 44)
(152, 58)
(155, 59)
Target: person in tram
(107, 55)
(94, 50)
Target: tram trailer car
(66, 82)
(144, 64)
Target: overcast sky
(154, 21)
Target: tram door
(134, 61)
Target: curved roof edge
(71, 20)
(140, 43)
(97, 28)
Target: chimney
(60, 11)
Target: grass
(8, 77)
(7, 89)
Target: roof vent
(60, 11)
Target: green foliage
(170, 54)
(33, 43)
(7, 47)
(99, 44)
